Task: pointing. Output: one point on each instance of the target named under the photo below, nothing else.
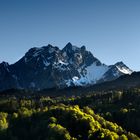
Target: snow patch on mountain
(124, 70)
(46, 63)
(88, 75)
(94, 72)
(63, 63)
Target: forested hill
(125, 82)
(108, 116)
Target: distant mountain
(123, 82)
(49, 67)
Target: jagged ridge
(50, 67)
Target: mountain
(49, 67)
(123, 82)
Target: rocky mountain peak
(119, 64)
(83, 48)
(4, 64)
(123, 68)
(69, 48)
(51, 67)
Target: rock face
(50, 67)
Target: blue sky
(110, 29)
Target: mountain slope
(123, 82)
(49, 67)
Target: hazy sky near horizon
(110, 29)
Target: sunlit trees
(90, 117)
(25, 112)
(57, 132)
(3, 121)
